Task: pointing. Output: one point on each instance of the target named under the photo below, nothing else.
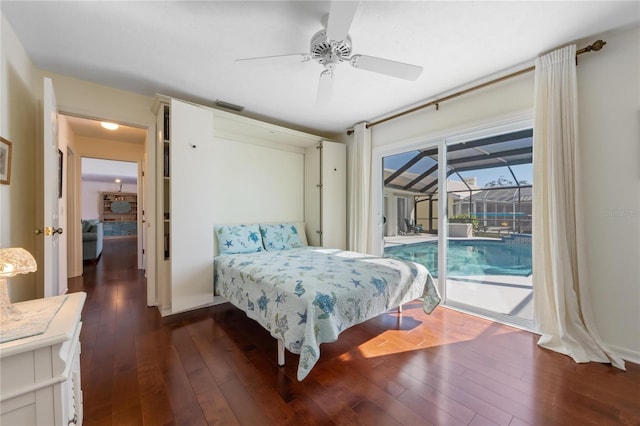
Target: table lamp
(13, 261)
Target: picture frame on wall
(60, 159)
(5, 161)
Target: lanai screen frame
(503, 150)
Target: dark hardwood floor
(216, 366)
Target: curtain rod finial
(595, 47)
(598, 44)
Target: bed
(305, 296)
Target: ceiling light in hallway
(109, 126)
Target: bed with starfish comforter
(308, 296)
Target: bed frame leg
(280, 352)
(400, 309)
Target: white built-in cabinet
(40, 375)
(326, 195)
(215, 167)
(185, 140)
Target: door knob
(37, 231)
(48, 230)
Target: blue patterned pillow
(282, 236)
(238, 239)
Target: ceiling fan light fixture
(332, 46)
(109, 126)
(325, 51)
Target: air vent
(227, 105)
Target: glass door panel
(489, 262)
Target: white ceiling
(98, 170)
(187, 49)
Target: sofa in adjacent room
(92, 236)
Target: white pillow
(281, 236)
(238, 239)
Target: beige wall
(608, 87)
(609, 92)
(18, 109)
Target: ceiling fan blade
(325, 88)
(341, 15)
(386, 66)
(301, 57)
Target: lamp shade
(14, 261)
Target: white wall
(91, 199)
(252, 183)
(610, 161)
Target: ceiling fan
(332, 45)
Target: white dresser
(40, 375)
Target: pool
(469, 257)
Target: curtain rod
(595, 46)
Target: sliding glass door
(464, 211)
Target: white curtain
(561, 295)
(359, 188)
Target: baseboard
(217, 300)
(626, 354)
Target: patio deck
(409, 239)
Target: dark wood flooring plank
(416, 379)
(214, 405)
(182, 398)
(241, 401)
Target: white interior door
(51, 229)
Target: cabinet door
(312, 195)
(334, 195)
(191, 206)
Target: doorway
(113, 152)
(109, 196)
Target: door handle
(37, 231)
(48, 230)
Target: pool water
(469, 257)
